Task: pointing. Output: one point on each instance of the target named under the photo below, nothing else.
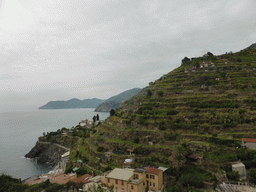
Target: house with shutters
(143, 179)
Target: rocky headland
(46, 152)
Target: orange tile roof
(82, 179)
(153, 170)
(249, 140)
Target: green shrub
(234, 175)
(162, 127)
(107, 168)
(241, 111)
(100, 149)
(191, 180)
(171, 136)
(172, 112)
(160, 93)
(136, 140)
(149, 92)
(252, 175)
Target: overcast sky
(63, 49)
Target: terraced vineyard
(203, 107)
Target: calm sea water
(19, 131)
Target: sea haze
(20, 130)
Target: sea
(19, 132)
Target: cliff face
(46, 152)
(107, 106)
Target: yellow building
(135, 180)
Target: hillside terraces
(206, 105)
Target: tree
(136, 140)
(252, 175)
(98, 118)
(112, 112)
(180, 154)
(160, 93)
(209, 54)
(186, 59)
(149, 92)
(94, 118)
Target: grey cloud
(100, 48)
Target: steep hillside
(212, 94)
(124, 95)
(203, 107)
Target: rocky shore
(46, 152)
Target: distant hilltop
(73, 103)
(115, 102)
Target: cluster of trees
(96, 118)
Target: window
(152, 184)
(122, 182)
(131, 186)
(147, 176)
(116, 181)
(152, 176)
(108, 180)
(136, 176)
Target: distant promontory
(100, 105)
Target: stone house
(240, 167)
(249, 143)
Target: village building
(58, 176)
(129, 151)
(84, 123)
(135, 180)
(36, 181)
(240, 167)
(128, 163)
(249, 143)
(93, 183)
(195, 158)
(84, 179)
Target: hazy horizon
(63, 49)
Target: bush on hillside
(149, 92)
(191, 180)
(160, 93)
(171, 136)
(100, 149)
(136, 140)
(234, 175)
